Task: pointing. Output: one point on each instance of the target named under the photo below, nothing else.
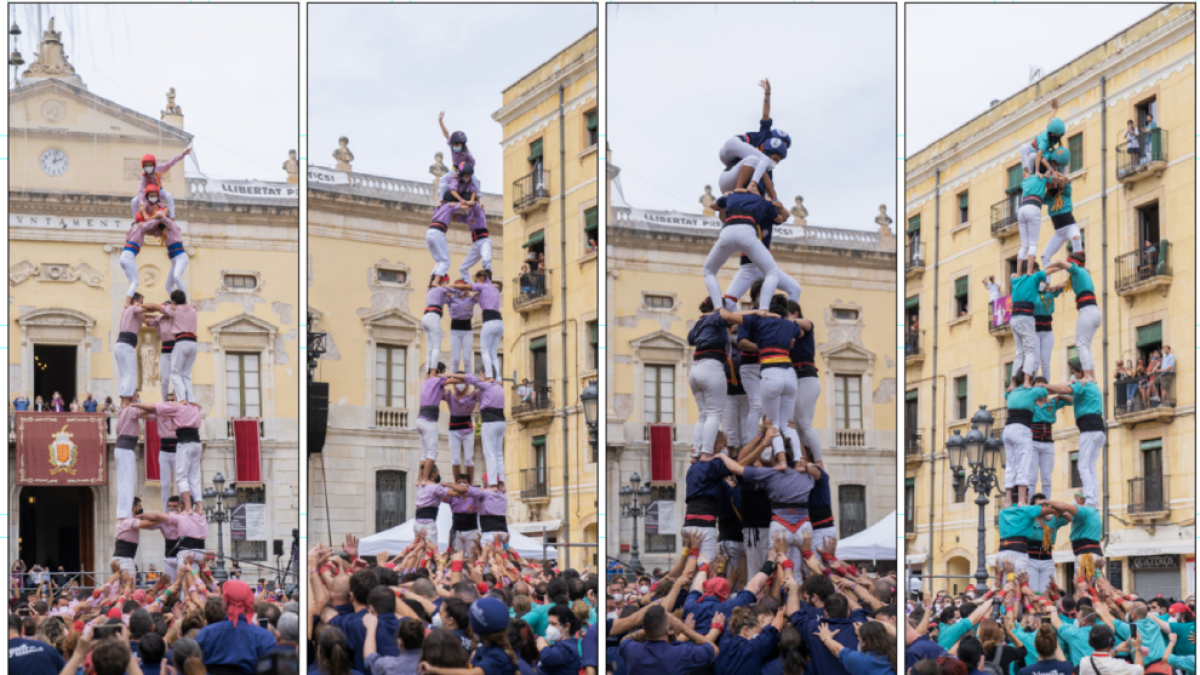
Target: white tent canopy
(877, 542)
(400, 537)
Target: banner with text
(249, 522)
(243, 189)
(328, 176)
(64, 449)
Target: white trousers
(823, 535)
(1045, 345)
(126, 368)
(490, 335)
(1018, 445)
(1059, 239)
(462, 344)
(752, 382)
(708, 547)
(736, 150)
(1086, 326)
(166, 472)
(737, 412)
(742, 238)
(734, 552)
(126, 481)
(171, 568)
(481, 250)
(187, 470)
(1041, 573)
(183, 357)
(465, 541)
(1090, 443)
(756, 542)
(488, 538)
(1029, 220)
(748, 274)
(431, 323)
(492, 434)
(1042, 460)
(166, 197)
(779, 402)
(427, 430)
(439, 249)
(179, 266)
(129, 265)
(462, 444)
(707, 379)
(127, 565)
(807, 391)
(1024, 330)
(164, 371)
(793, 541)
(1028, 154)
(1020, 562)
(429, 527)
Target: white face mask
(612, 615)
(644, 589)
(437, 620)
(553, 634)
(152, 200)
(460, 387)
(148, 169)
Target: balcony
(530, 193)
(913, 355)
(1004, 217)
(914, 258)
(532, 401)
(532, 292)
(1151, 157)
(999, 415)
(913, 450)
(391, 418)
(850, 438)
(997, 330)
(1148, 398)
(1148, 498)
(1144, 270)
(534, 487)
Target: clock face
(54, 162)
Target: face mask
(437, 620)
(458, 148)
(152, 200)
(644, 589)
(552, 634)
(460, 387)
(612, 616)
(148, 169)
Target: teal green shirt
(1081, 279)
(1184, 646)
(538, 618)
(1086, 524)
(1017, 521)
(1048, 411)
(1025, 289)
(1044, 305)
(948, 635)
(1151, 634)
(1088, 400)
(1077, 641)
(1035, 531)
(1066, 205)
(1025, 398)
(1027, 638)
(1034, 186)
(1185, 663)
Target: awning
(536, 526)
(1170, 540)
(915, 559)
(535, 239)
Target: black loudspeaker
(318, 415)
(278, 547)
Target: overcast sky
(379, 75)
(680, 83)
(235, 69)
(960, 57)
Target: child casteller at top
(152, 173)
(458, 152)
(751, 157)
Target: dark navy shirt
(591, 646)
(352, 627)
(923, 648)
(740, 656)
(705, 608)
(822, 661)
(33, 657)
(729, 519)
(757, 138)
(560, 658)
(241, 647)
(665, 658)
(704, 479)
(710, 332)
(748, 203)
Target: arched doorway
(958, 566)
(57, 527)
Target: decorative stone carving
(438, 168)
(799, 212)
(53, 111)
(707, 200)
(149, 277)
(148, 356)
(51, 61)
(343, 155)
(883, 220)
(172, 109)
(248, 273)
(292, 167)
(25, 270)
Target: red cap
(390, 565)
(79, 625)
(1178, 608)
(717, 586)
(149, 159)
(483, 588)
(114, 613)
(969, 588)
(153, 187)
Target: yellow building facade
(550, 121)
(1137, 217)
(76, 159)
(654, 285)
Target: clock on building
(54, 162)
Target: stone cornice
(102, 105)
(700, 245)
(567, 75)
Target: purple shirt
(461, 407)
(430, 495)
(491, 394)
(493, 503)
(489, 296)
(468, 503)
(431, 391)
(460, 156)
(437, 296)
(787, 487)
(462, 305)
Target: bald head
(520, 588)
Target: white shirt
(1107, 665)
(1168, 362)
(993, 292)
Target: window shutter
(1149, 335)
(1014, 179)
(1075, 145)
(962, 201)
(1008, 373)
(594, 330)
(910, 482)
(914, 301)
(914, 224)
(535, 239)
(960, 385)
(591, 219)
(910, 395)
(960, 287)
(539, 441)
(535, 150)
(537, 343)
(1155, 444)
(593, 119)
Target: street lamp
(633, 505)
(980, 453)
(591, 400)
(215, 510)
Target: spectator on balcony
(21, 402)
(526, 281)
(57, 404)
(90, 404)
(525, 392)
(914, 333)
(1168, 361)
(993, 290)
(1149, 255)
(1147, 140)
(75, 407)
(591, 246)
(1124, 400)
(39, 405)
(1133, 147)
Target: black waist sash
(491, 414)
(427, 513)
(1036, 552)
(167, 346)
(711, 353)
(493, 523)
(1022, 309)
(125, 549)
(1084, 298)
(430, 412)
(1043, 323)
(476, 235)
(433, 310)
(1092, 422)
(492, 315)
(820, 516)
(172, 547)
(1022, 417)
(191, 543)
(187, 435)
(460, 422)
(749, 358)
(185, 337)
(126, 442)
(464, 522)
(701, 512)
(756, 509)
(1062, 220)
(1081, 546)
(127, 338)
(460, 324)
(1043, 432)
(1016, 544)
(729, 528)
(167, 444)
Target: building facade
(550, 121)
(654, 287)
(1137, 216)
(69, 208)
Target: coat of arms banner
(61, 449)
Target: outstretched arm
(734, 467)
(766, 85)
(442, 124)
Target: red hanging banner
(249, 454)
(153, 471)
(61, 449)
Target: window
(535, 160)
(251, 550)
(852, 510)
(659, 393)
(1012, 269)
(845, 314)
(1072, 356)
(540, 359)
(537, 247)
(539, 464)
(911, 414)
(1076, 481)
(961, 295)
(242, 385)
(963, 218)
(391, 498)
(477, 367)
(1116, 574)
(960, 397)
(591, 223)
(660, 302)
(960, 492)
(593, 329)
(1147, 224)
(1149, 341)
(848, 398)
(241, 282)
(593, 127)
(1152, 474)
(1007, 375)
(910, 504)
(912, 328)
(389, 377)
(1075, 147)
(1015, 176)
(391, 277)
(914, 226)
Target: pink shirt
(127, 421)
(131, 319)
(163, 324)
(194, 525)
(166, 426)
(183, 318)
(128, 529)
(169, 530)
(137, 232)
(172, 235)
(152, 178)
(182, 416)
